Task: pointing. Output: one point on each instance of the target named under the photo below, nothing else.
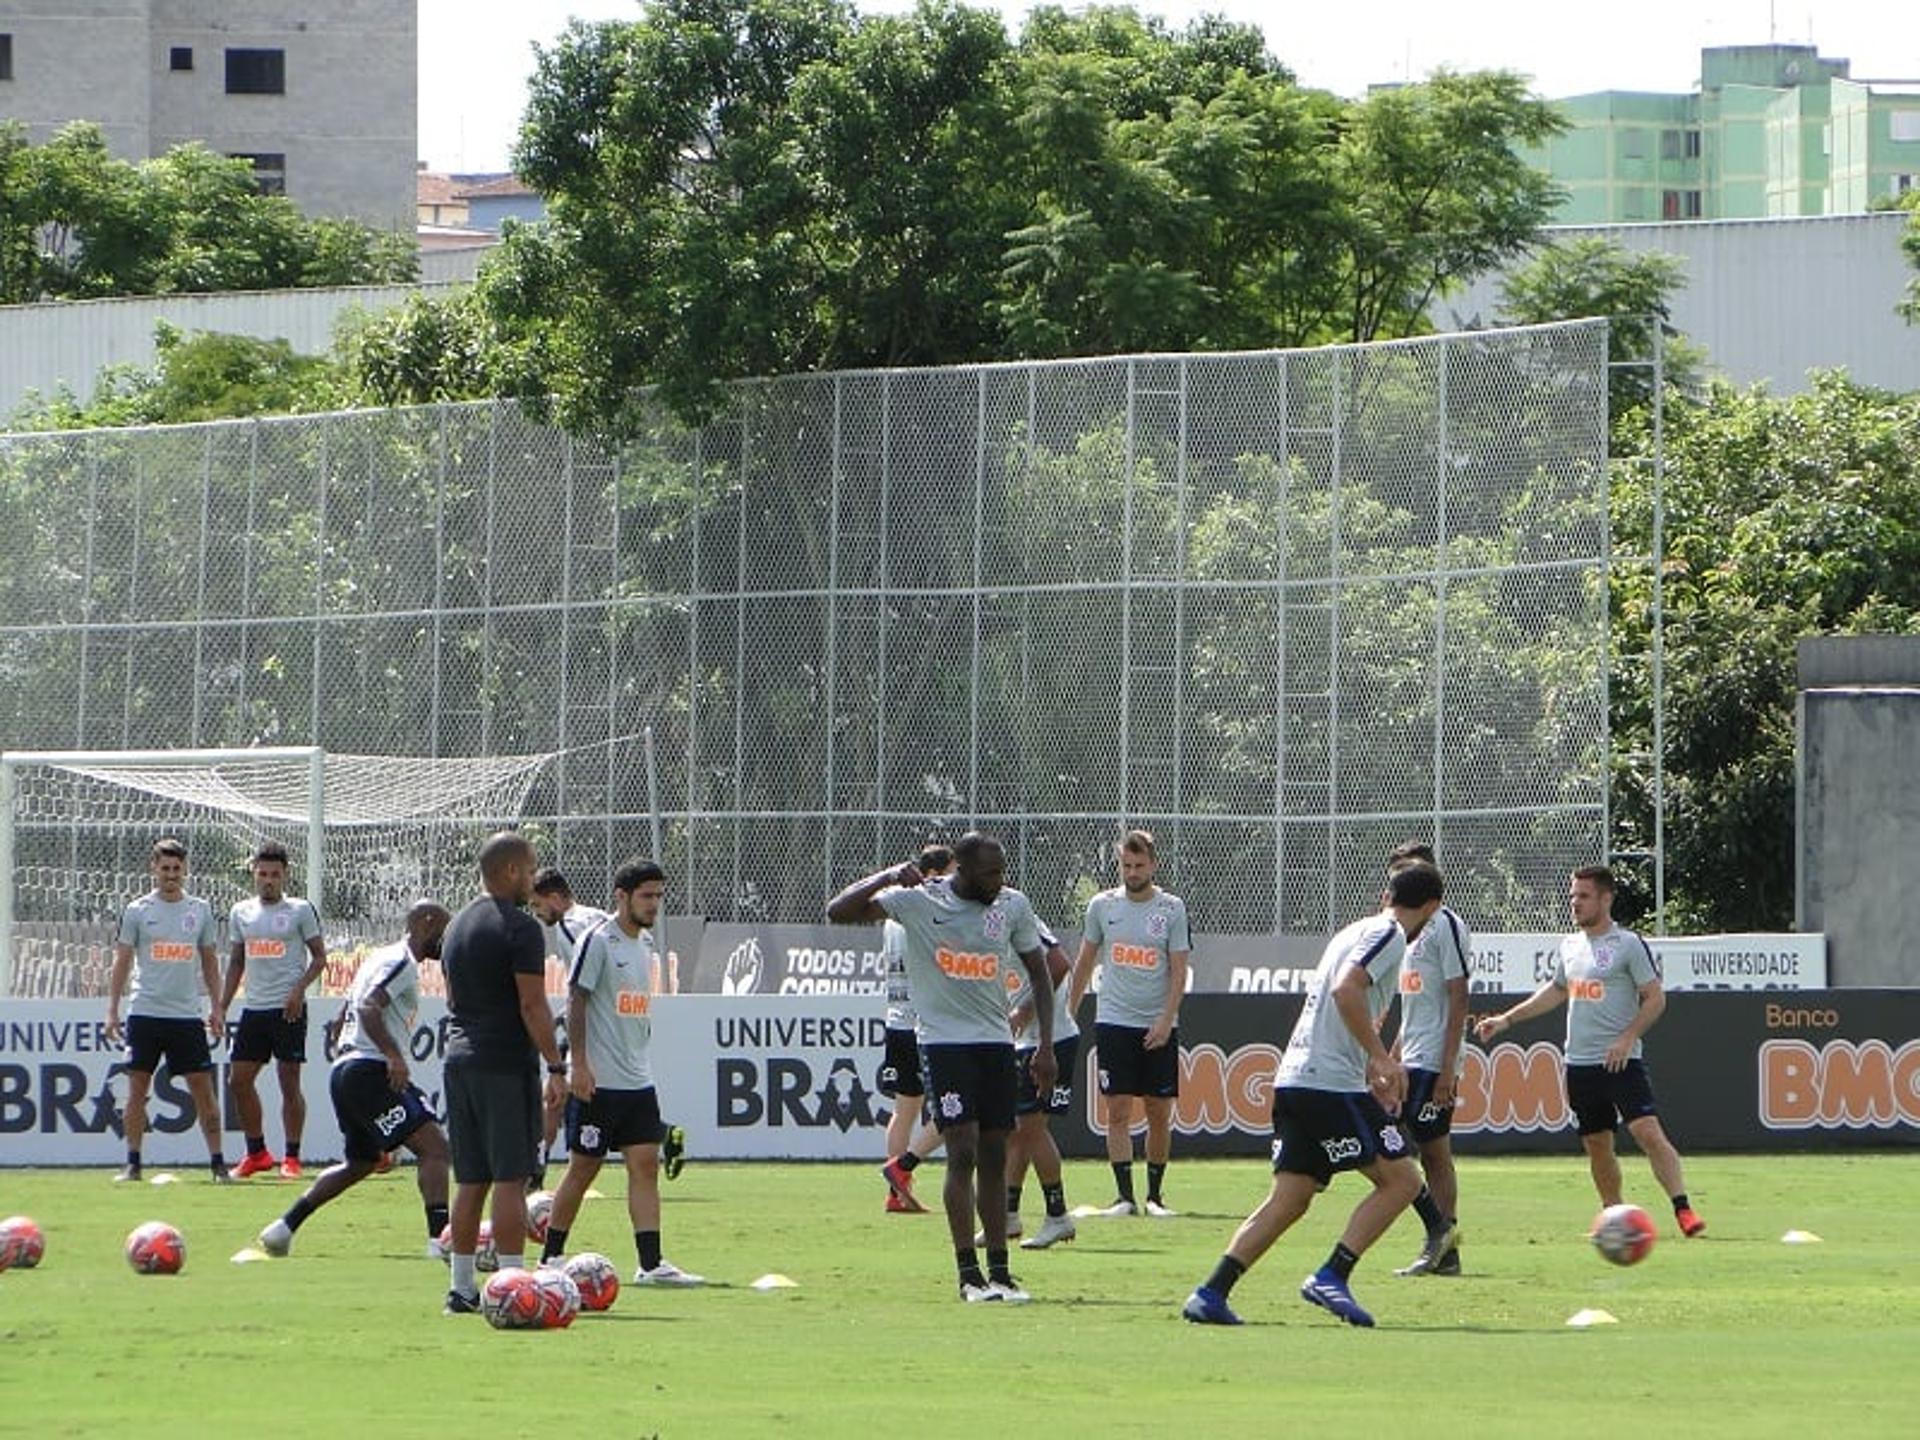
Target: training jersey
(616, 970)
(1136, 941)
(1020, 991)
(893, 959)
(1323, 1053)
(957, 954)
(564, 935)
(274, 939)
(488, 945)
(1436, 955)
(393, 969)
(166, 936)
(1602, 976)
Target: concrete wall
(80, 59)
(1858, 823)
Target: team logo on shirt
(1603, 959)
(1157, 924)
(189, 924)
(282, 921)
(995, 923)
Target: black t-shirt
(486, 946)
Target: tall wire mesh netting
(395, 829)
(1286, 609)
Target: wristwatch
(556, 1069)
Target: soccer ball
(559, 1298)
(539, 1211)
(21, 1243)
(511, 1300)
(485, 1257)
(596, 1278)
(156, 1248)
(1623, 1234)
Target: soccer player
(1033, 1142)
(1137, 932)
(1610, 983)
(564, 922)
(374, 1098)
(911, 1138)
(962, 936)
(498, 1028)
(276, 946)
(1433, 1023)
(161, 936)
(611, 1101)
(1335, 1092)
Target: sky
(475, 60)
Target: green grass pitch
(1732, 1334)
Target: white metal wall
(1772, 299)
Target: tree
(1910, 245)
(77, 223)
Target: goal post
(369, 835)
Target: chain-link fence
(1285, 609)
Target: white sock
(463, 1283)
(513, 1262)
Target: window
(180, 57)
(269, 171)
(1633, 144)
(1690, 205)
(1669, 204)
(1901, 184)
(1670, 145)
(256, 72)
(6, 57)
(1693, 144)
(1904, 125)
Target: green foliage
(1784, 517)
(77, 223)
(1910, 246)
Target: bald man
(500, 1028)
(374, 1098)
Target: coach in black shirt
(499, 1027)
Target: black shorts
(264, 1035)
(374, 1117)
(493, 1122)
(1603, 1099)
(971, 1084)
(900, 1067)
(1319, 1132)
(1127, 1067)
(181, 1043)
(1066, 1054)
(613, 1120)
(1424, 1120)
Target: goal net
(368, 834)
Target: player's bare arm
(1044, 1068)
(116, 987)
(855, 905)
(531, 990)
(1653, 1004)
(316, 967)
(210, 977)
(1082, 974)
(1162, 1028)
(1443, 1088)
(236, 967)
(579, 1069)
(1549, 996)
(1386, 1077)
(371, 1013)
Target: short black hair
(502, 848)
(171, 848)
(548, 880)
(969, 845)
(933, 858)
(1414, 884)
(636, 872)
(270, 851)
(1412, 850)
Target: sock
(1225, 1276)
(437, 1217)
(1156, 1173)
(463, 1283)
(997, 1267)
(1680, 1202)
(1341, 1262)
(1123, 1177)
(1429, 1211)
(647, 1242)
(908, 1162)
(1056, 1199)
(967, 1260)
(1013, 1198)
(256, 1144)
(297, 1213)
(133, 1158)
(293, 1149)
(216, 1162)
(513, 1262)
(556, 1245)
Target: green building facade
(1772, 130)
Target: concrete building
(323, 99)
(505, 197)
(1773, 130)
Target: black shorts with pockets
(264, 1035)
